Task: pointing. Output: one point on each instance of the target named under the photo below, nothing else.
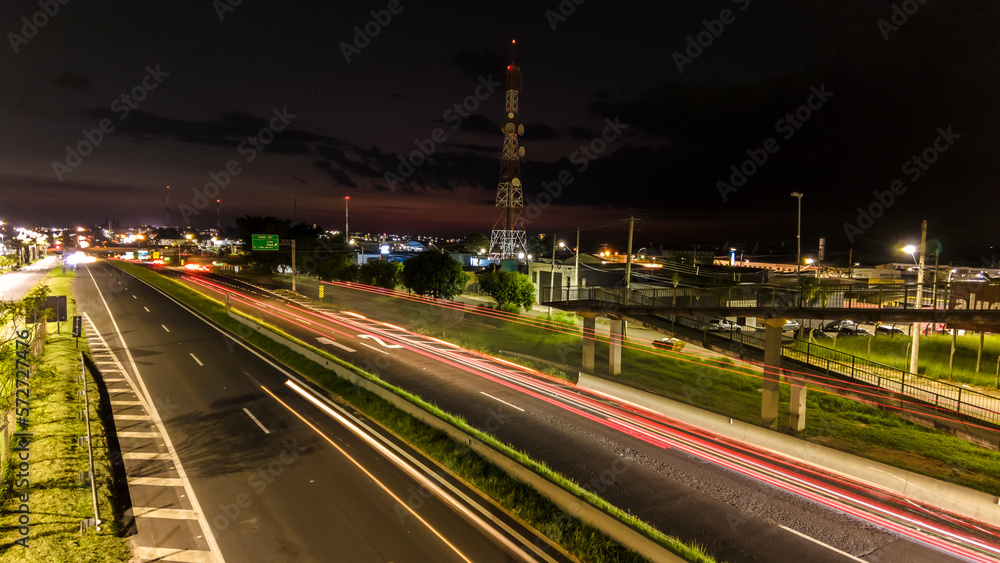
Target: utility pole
(576, 267)
(798, 248)
(628, 256)
(347, 231)
(552, 275)
(915, 349)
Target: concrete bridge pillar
(797, 416)
(589, 333)
(615, 352)
(771, 381)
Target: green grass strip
(57, 501)
(577, 537)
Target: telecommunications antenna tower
(508, 238)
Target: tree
(473, 242)
(508, 287)
(433, 273)
(381, 273)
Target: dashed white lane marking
(133, 417)
(165, 328)
(814, 540)
(156, 481)
(502, 401)
(254, 418)
(138, 434)
(172, 554)
(171, 513)
(196, 359)
(145, 455)
(126, 403)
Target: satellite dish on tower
(520, 151)
(520, 130)
(509, 128)
(515, 182)
(510, 115)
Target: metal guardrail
(96, 521)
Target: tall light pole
(576, 266)
(798, 248)
(915, 349)
(347, 232)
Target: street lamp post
(347, 232)
(798, 247)
(915, 349)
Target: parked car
(853, 330)
(723, 325)
(791, 325)
(835, 326)
(669, 344)
(817, 334)
(889, 330)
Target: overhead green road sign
(264, 242)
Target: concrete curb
(566, 501)
(954, 498)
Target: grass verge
(578, 538)
(57, 502)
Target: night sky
(833, 99)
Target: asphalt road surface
(733, 503)
(274, 475)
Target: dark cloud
(73, 81)
(475, 147)
(338, 175)
(539, 132)
(228, 128)
(480, 124)
(482, 62)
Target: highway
(742, 504)
(16, 284)
(273, 472)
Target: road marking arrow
(379, 340)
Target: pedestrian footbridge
(677, 310)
